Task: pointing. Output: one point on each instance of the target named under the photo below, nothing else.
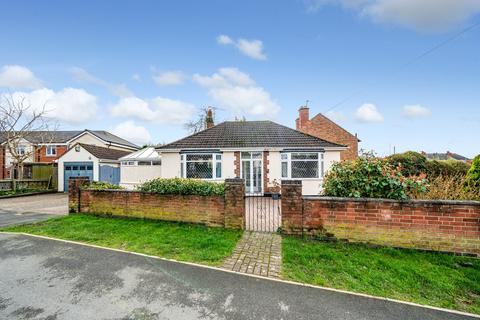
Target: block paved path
(257, 253)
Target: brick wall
(452, 226)
(266, 171)
(41, 154)
(324, 128)
(237, 163)
(225, 211)
(3, 170)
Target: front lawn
(180, 241)
(427, 278)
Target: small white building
(139, 167)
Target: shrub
(101, 185)
(452, 168)
(447, 188)
(472, 180)
(370, 178)
(183, 186)
(410, 163)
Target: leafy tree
(410, 163)
(473, 175)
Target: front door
(252, 172)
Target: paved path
(32, 208)
(48, 279)
(257, 253)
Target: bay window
(302, 165)
(201, 165)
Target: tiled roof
(64, 136)
(249, 134)
(107, 136)
(104, 153)
(446, 156)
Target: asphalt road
(32, 208)
(48, 279)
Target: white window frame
(217, 159)
(286, 157)
(48, 151)
(21, 150)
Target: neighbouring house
(47, 147)
(86, 160)
(261, 152)
(139, 166)
(446, 156)
(322, 127)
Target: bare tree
(20, 122)
(203, 120)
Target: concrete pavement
(32, 208)
(48, 279)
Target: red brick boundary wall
(451, 226)
(221, 211)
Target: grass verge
(434, 279)
(180, 241)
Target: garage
(96, 163)
(77, 169)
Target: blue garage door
(110, 174)
(76, 169)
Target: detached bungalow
(261, 152)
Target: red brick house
(322, 127)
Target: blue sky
(143, 68)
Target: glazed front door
(252, 172)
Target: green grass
(180, 241)
(427, 278)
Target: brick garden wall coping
(414, 201)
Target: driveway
(32, 208)
(48, 279)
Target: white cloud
(368, 113)
(70, 105)
(132, 132)
(415, 111)
(223, 39)
(420, 15)
(237, 91)
(83, 76)
(336, 116)
(169, 78)
(15, 76)
(251, 48)
(158, 110)
(136, 77)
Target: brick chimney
(209, 118)
(303, 117)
